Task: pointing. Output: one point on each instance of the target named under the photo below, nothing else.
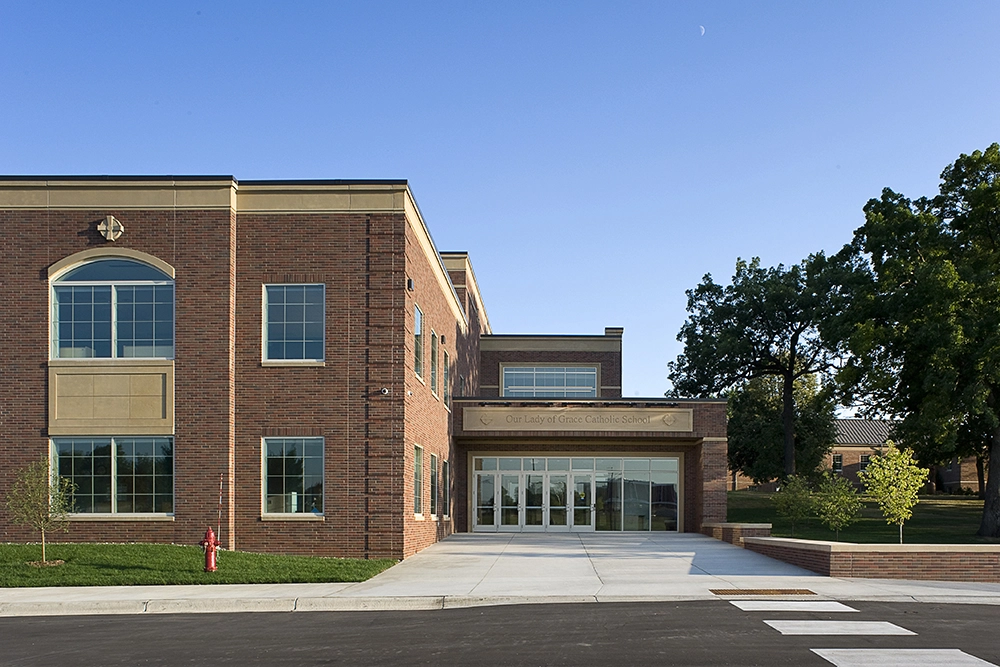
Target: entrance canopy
(619, 465)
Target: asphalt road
(683, 633)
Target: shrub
(794, 500)
(837, 503)
(893, 480)
(40, 499)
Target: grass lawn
(936, 520)
(143, 564)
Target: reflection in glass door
(558, 515)
(583, 502)
(534, 505)
(510, 502)
(486, 519)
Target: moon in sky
(702, 28)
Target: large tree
(764, 323)
(755, 428)
(923, 326)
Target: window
(418, 480)
(865, 460)
(113, 308)
(434, 485)
(418, 342)
(293, 475)
(838, 463)
(445, 488)
(446, 385)
(118, 475)
(434, 363)
(552, 381)
(294, 322)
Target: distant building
(857, 440)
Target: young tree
(765, 323)
(837, 503)
(40, 499)
(923, 325)
(755, 427)
(794, 500)
(893, 479)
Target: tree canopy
(922, 330)
(893, 479)
(40, 499)
(755, 427)
(764, 323)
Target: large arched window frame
(112, 307)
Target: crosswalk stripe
(838, 628)
(790, 605)
(899, 657)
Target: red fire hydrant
(210, 543)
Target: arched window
(113, 308)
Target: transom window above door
(113, 308)
(550, 381)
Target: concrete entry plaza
(466, 570)
(497, 568)
(591, 565)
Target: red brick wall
(427, 420)
(359, 258)
(199, 246)
(735, 532)
(465, 371)
(928, 564)
(815, 561)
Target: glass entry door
(557, 512)
(485, 491)
(514, 494)
(533, 502)
(583, 502)
(511, 502)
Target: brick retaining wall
(940, 562)
(735, 532)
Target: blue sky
(596, 159)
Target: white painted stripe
(899, 657)
(838, 628)
(790, 605)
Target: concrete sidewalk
(471, 570)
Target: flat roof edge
(583, 401)
(112, 177)
(200, 177)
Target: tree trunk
(981, 475)
(788, 422)
(43, 545)
(990, 526)
(900, 533)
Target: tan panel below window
(98, 397)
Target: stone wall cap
(727, 524)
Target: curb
(414, 603)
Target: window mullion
(114, 322)
(114, 471)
